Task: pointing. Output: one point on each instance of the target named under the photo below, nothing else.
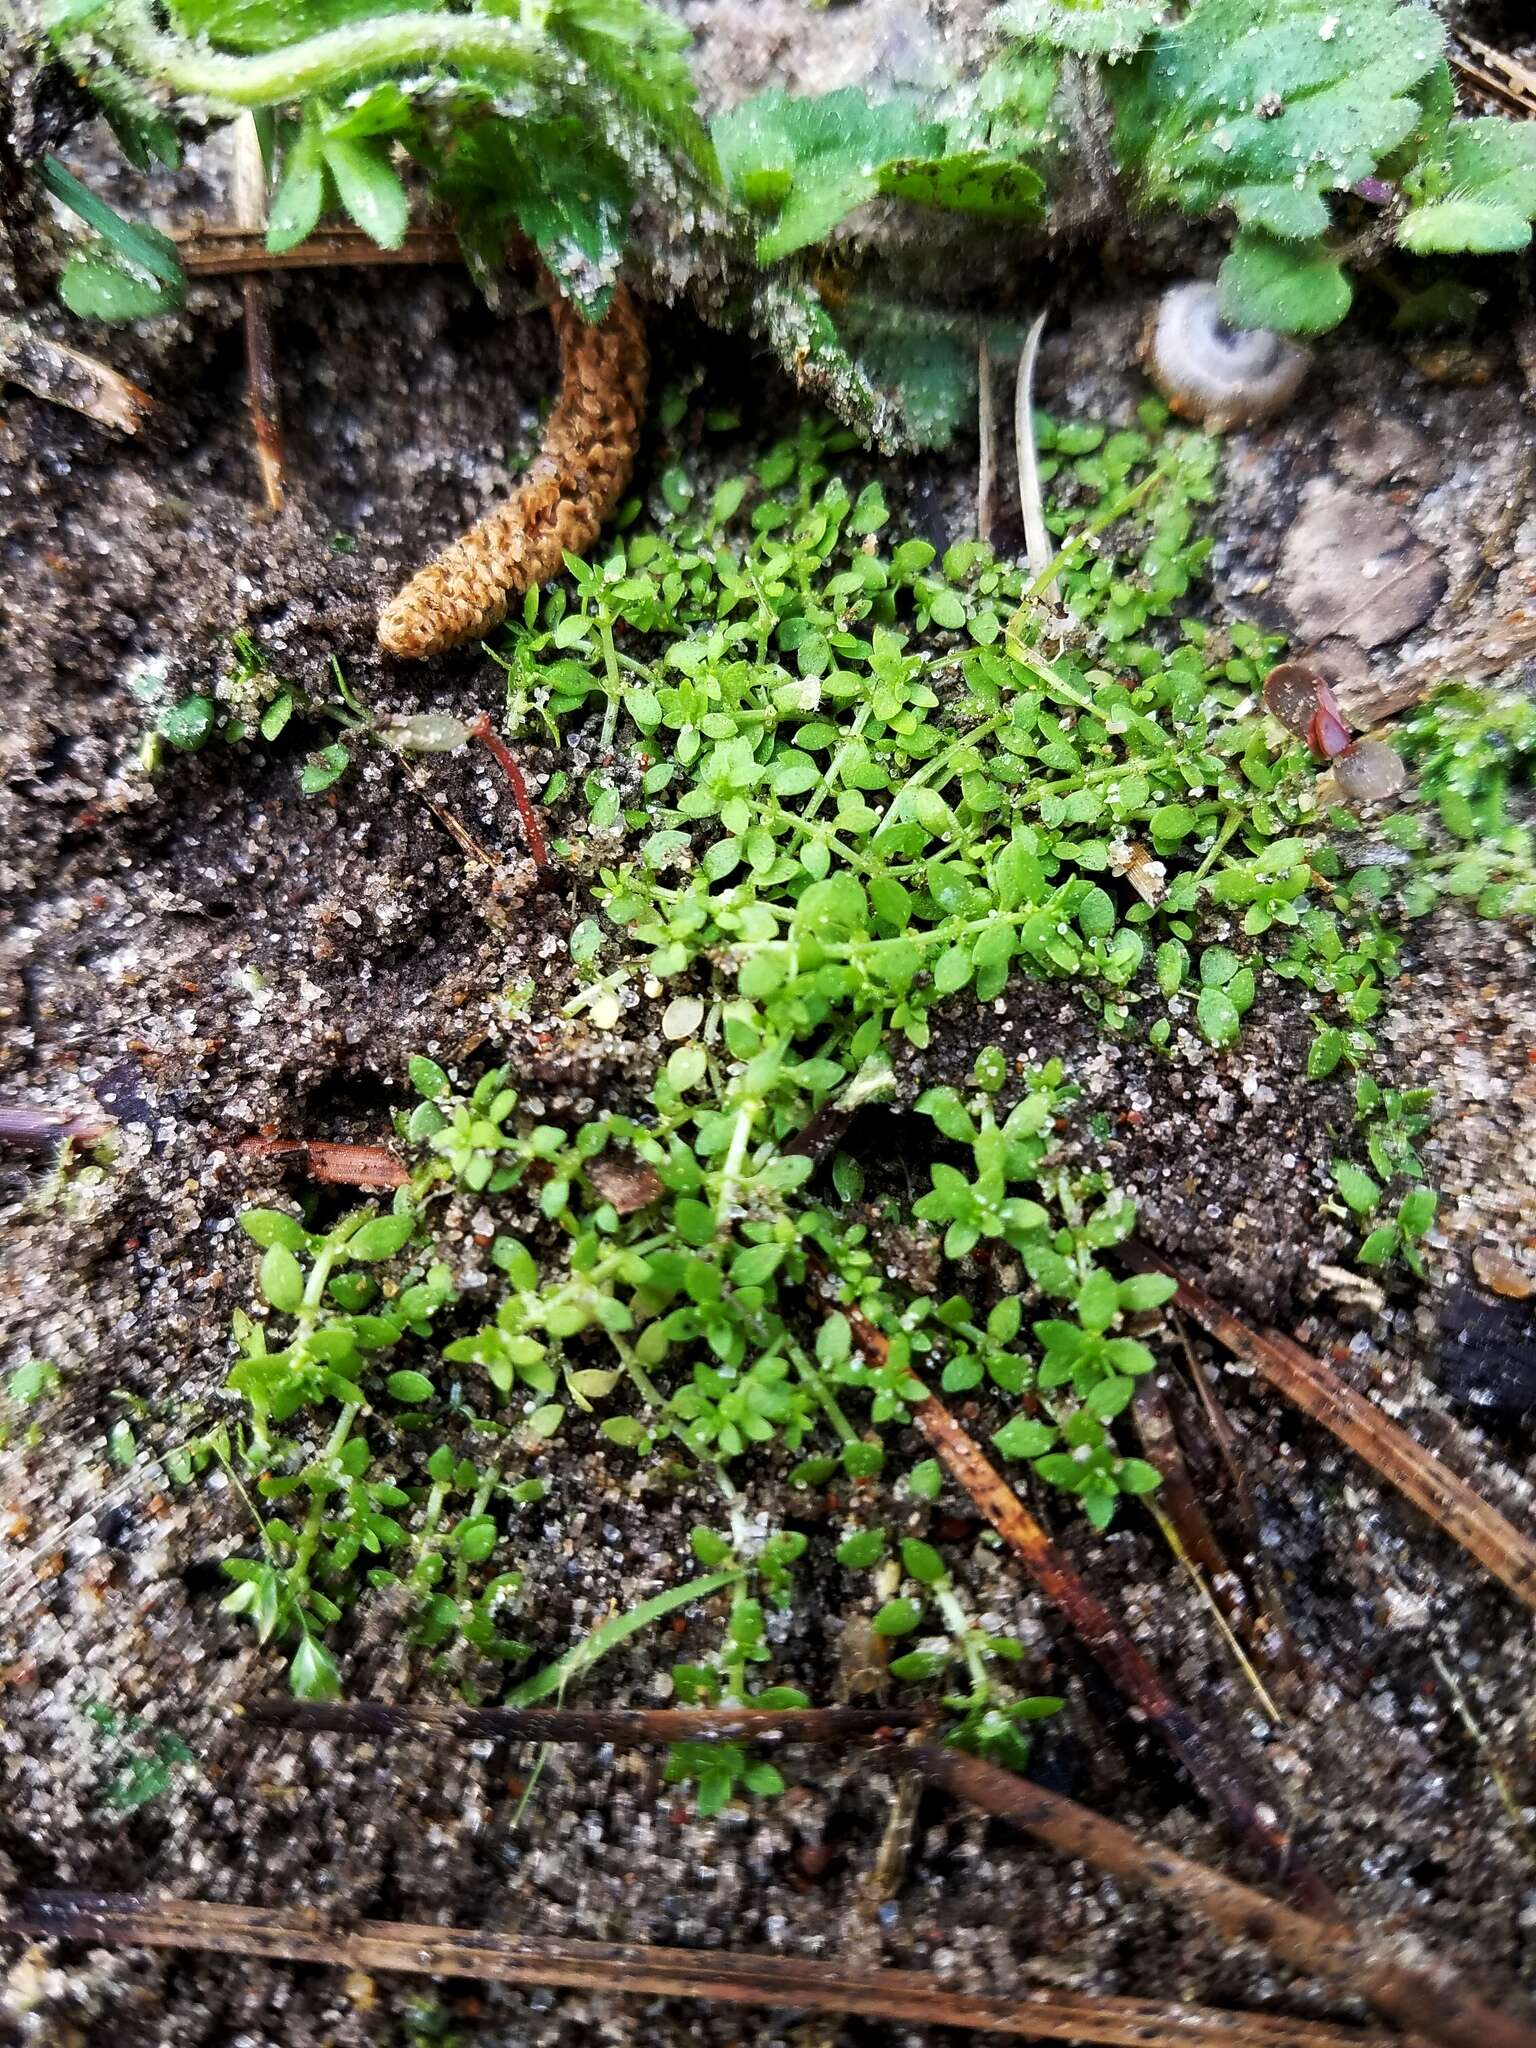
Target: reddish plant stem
(618, 1969)
(1218, 1777)
(481, 729)
(1420, 1994)
(1315, 1388)
(342, 1166)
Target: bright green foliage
(1084, 28)
(1476, 190)
(541, 125)
(1268, 107)
(1473, 752)
(720, 1769)
(1272, 111)
(1389, 1120)
(1400, 1236)
(876, 816)
(843, 782)
(125, 271)
(808, 162)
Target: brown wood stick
(1286, 1658)
(232, 251)
(24, 1129)
(1217, 1776)
(1178, 1500)
(248, 196)
(344, 1166)
(63, 376)
(1317, 1390)
(621, 1968)
(622, 1725)
(1420, 1994)
(1250, 1817)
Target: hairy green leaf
(812, 161)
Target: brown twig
(1177, 1498)
(1249, 1816)
(623, 1969)
(481, 729)
(1319, 1392)
(1500, 77)
(233, 252)
(342, 1166)
(38, 1130)
(1420, 1994)
(626, 1726)
(248, 195)
(63, 376)
(1281, 1649)
(455, 827)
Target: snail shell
(1222, 376)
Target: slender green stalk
(333, 61)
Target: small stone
(628, 1183)
(1373, 447)
(1504, 1275)
(1354, 566)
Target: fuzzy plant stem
(333, 61)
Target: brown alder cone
(559, 509)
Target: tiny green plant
(143, 1761)
(251, 703)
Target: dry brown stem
(1503, 79)
(1419, 1994)
(342, 1166)
(63, 376)
(1219, 1778)
(620, 1969)
(232, 251)
(23, 1129)
(1318, 1391)
(248, 195)
(573, 485)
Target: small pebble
(1506, 1276)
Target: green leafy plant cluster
(252, 704)
(1326, 132)
(858, 784)
(1390, 1120)
(540, 120)
(143, 1761)
(834, 784)
(1320, 129)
